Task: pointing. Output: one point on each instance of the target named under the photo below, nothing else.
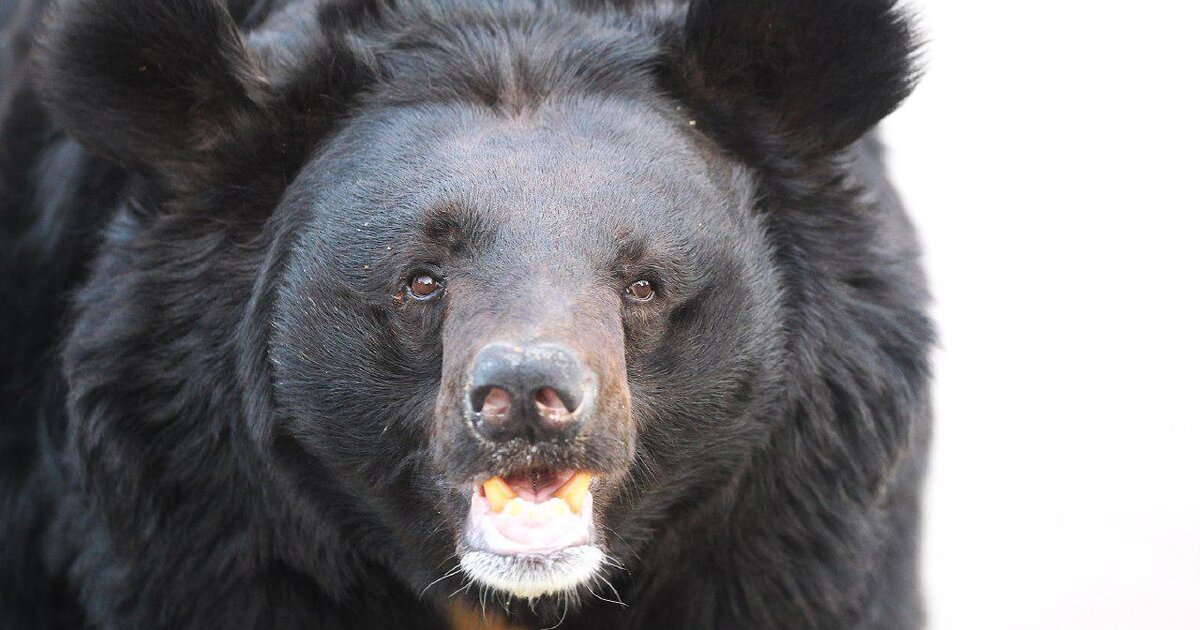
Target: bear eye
(424, 287)
(641, 291)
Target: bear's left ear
(163, 87)
(812, 75)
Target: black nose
(538, 391)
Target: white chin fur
(534, 576)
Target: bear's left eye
(424, 287)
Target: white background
(1049, 159)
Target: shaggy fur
(219, 410)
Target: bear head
(497, 286)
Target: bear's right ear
(163, 87)
(801, 77)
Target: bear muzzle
(535, 428)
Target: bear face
(538, 292)
(533, 229)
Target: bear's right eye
(641, 291)
(424, 287)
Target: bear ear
(162, 87)
(817, 73)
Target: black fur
(216, 414)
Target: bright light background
(1050, 160)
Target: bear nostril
(494, 407)
(551, 408)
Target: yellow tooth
(516, 507)
(575, 490)
(497, 493)
(556, 507)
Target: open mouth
(531, 533)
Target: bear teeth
(500, 496)
(498, 493)
(575, 490)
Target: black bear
(457, 313)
